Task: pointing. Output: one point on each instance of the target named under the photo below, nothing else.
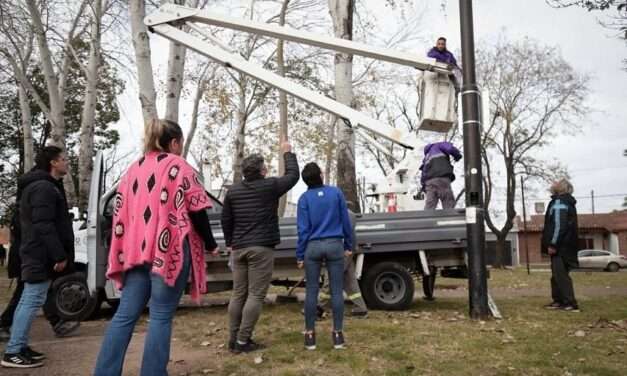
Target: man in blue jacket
(560, 240)
(442, 55)
(324, 236)
(437, 174)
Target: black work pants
(561, 284)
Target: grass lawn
(519, 279)
(433, 338)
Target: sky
(594, 157)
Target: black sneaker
(310, 341)
(231, 344)
(338, 340)
(570, 308)
(250, 346)
(19, 361)
(34, 355)
(554, 305)
(65, 328)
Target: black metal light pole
(477, 280)
(524, 208)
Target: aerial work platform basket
(436, 102)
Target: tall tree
(88, 118)
(143, 63)
(12, 151)
(16, 47)
(535, 95)
(176, 70)
(283, 127)
(56, 80)
(342, 12)
(616, 21)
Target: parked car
(600, 259)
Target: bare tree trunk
(52, 83)
(55, 86)
(176, 70)
(283, 128)
(330, 148)
(88, 118)
(27, 129)
(176, 67)
(202, 84)
(141, 43)
(342, 15)
(499, 251)
(240, 134)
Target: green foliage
(107, 113)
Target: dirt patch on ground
(76, 356)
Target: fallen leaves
(579, 333)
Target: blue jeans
(139, 286)
(33, 298)
(331, 252)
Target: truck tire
(388, 286)
(72, 300)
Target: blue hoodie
(322, 214)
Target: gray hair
(561, 187)
(252, 166)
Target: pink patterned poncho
(151, 220)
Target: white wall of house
(511, 237)
(613, 243)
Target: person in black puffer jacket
(251, 229)
(560, 240)
(46, 248)
(60, 327)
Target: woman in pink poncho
(160, 232)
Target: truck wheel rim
(390, 287)
(72, 297)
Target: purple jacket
(436, 163)
(445, 56)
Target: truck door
(96, 255)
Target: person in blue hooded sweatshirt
(324, 236)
